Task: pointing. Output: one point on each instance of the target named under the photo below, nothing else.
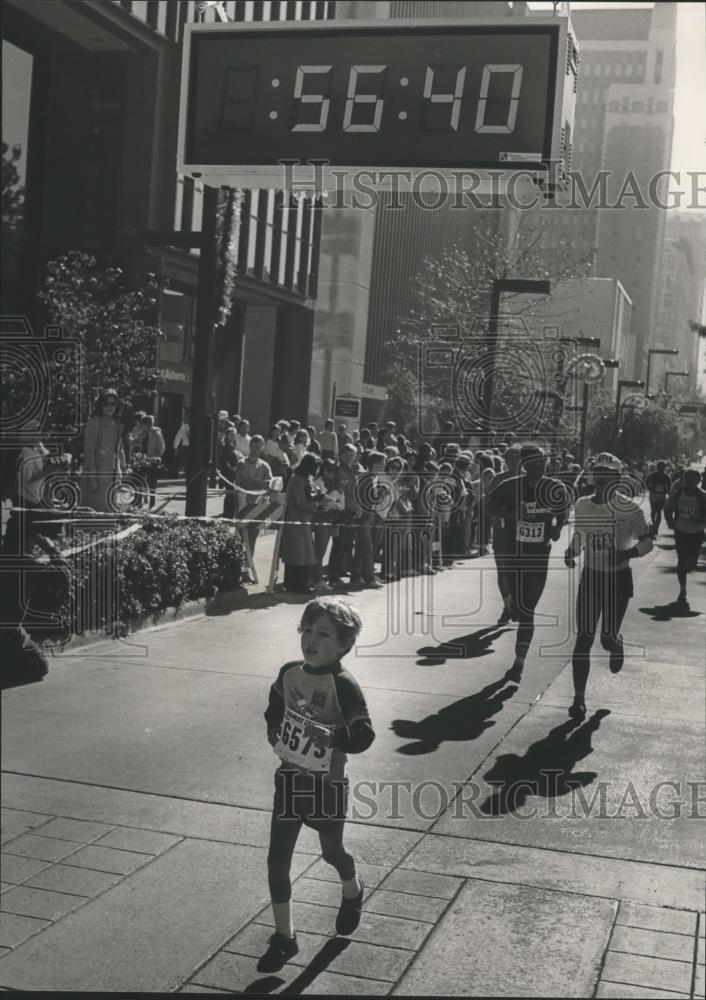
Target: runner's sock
(282, 913)
(351, 887)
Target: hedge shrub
(163, 565)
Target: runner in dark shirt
(533, 509)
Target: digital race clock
(387, 95)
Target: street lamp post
(651, 351)
(607, 363)
(624, 384)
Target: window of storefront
(178, 322)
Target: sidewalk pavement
(137, 790)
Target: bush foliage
(166, 563)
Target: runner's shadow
(665, 613)
(466, 647)
(319, 963)
(546, 770)
(462, 720)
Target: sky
(689, 144)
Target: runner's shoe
(515, 671)
(578, 709)
(349, 912)
(505, 616)
(279, 951)
(617, 653)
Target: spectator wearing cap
(103, 453)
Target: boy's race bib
(294, 747)
(530, 531)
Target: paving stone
(372, 875)
(621, 991)
(376, 961)
(656, 918)
(151, 931)
(4, 886)
(78, 881)
(142, 841)
(313, 890)
(14, 822)
(422, 883)
(658, 944)
(699, 982)
(31, 845)
(41, 903)
(641, 970)
(193, 988)
(4, 951)
(16, 869)
(333, 984)
(700, 951)
(79, 830)
(238, 974)
(405, 904)
(14, 929)
(702, 925)
(307, 917)
(655, 886)
(107, 859)
(252, 940)
(508, 940)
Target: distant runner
(659, 484)
(685, 513)
(605, 525)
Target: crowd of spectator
(369, 504)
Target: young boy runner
(685, 514)
(315, 717)
(612, 529)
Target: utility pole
(200, 452)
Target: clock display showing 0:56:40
(318, 103)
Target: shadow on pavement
(460, 721)
(466, 647)
(546, 770)
(319, 963)
(665, 613)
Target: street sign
(347, 406)
(386, 95)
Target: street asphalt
(506, 850)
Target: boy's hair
(375, 457)
(346, 618)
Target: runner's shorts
(600, 594)
(688, 545)
(313, 799)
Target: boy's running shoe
(349, 912)
(578, 710)
(279, 951)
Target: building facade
(92, 98)
(624, 125)
(681, 295)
